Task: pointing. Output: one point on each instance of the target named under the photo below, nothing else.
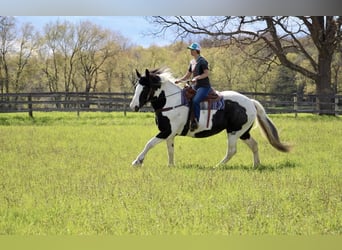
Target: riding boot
(193, 125)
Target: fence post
(125, 105)
(78, 105)
(336, 106)
(29, 102)
(295, 104)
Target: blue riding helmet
(195, 46)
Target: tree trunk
(325, 99)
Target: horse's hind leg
(150, 144)
(253, 145)
(231, 150)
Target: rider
(200, 81)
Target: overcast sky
(132, 27)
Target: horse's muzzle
(136, 108)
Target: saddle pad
(216, 105)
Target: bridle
(150, 96)
(168, 108)
(150, 99)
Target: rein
(169, 108)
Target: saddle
(212, 97)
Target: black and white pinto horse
(172, 116)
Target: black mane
(152, 78)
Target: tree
(27, 44)
(7, 39)
(95, 49)
(114, 69)
(50, 54)
(284, 83)
(337, 72)
(279, 36)
(17, 46)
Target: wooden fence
(108, 102)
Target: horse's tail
(269, 129)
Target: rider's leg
(201, 93)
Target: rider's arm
(202, 76)
(185, 77)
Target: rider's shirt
(197, 67)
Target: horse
(172, 114)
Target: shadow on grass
(261, 168)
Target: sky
(134, 28)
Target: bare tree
(69, 47)
(27, 41)
(95, 50)
(7, 40)
(59, 49)
(279, 35)
(50, 54)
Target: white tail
(269, 129)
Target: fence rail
(108, 102)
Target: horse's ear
(147, 73)
(138, 74)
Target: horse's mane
(164, 73)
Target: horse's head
(145, 88)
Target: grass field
(66, 175)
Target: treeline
(85, 57)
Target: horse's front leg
(170, 150)
(150, 144)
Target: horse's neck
(172, 93)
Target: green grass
(66, 175)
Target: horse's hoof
(137, 163)
(218, 165)
(256, 165)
